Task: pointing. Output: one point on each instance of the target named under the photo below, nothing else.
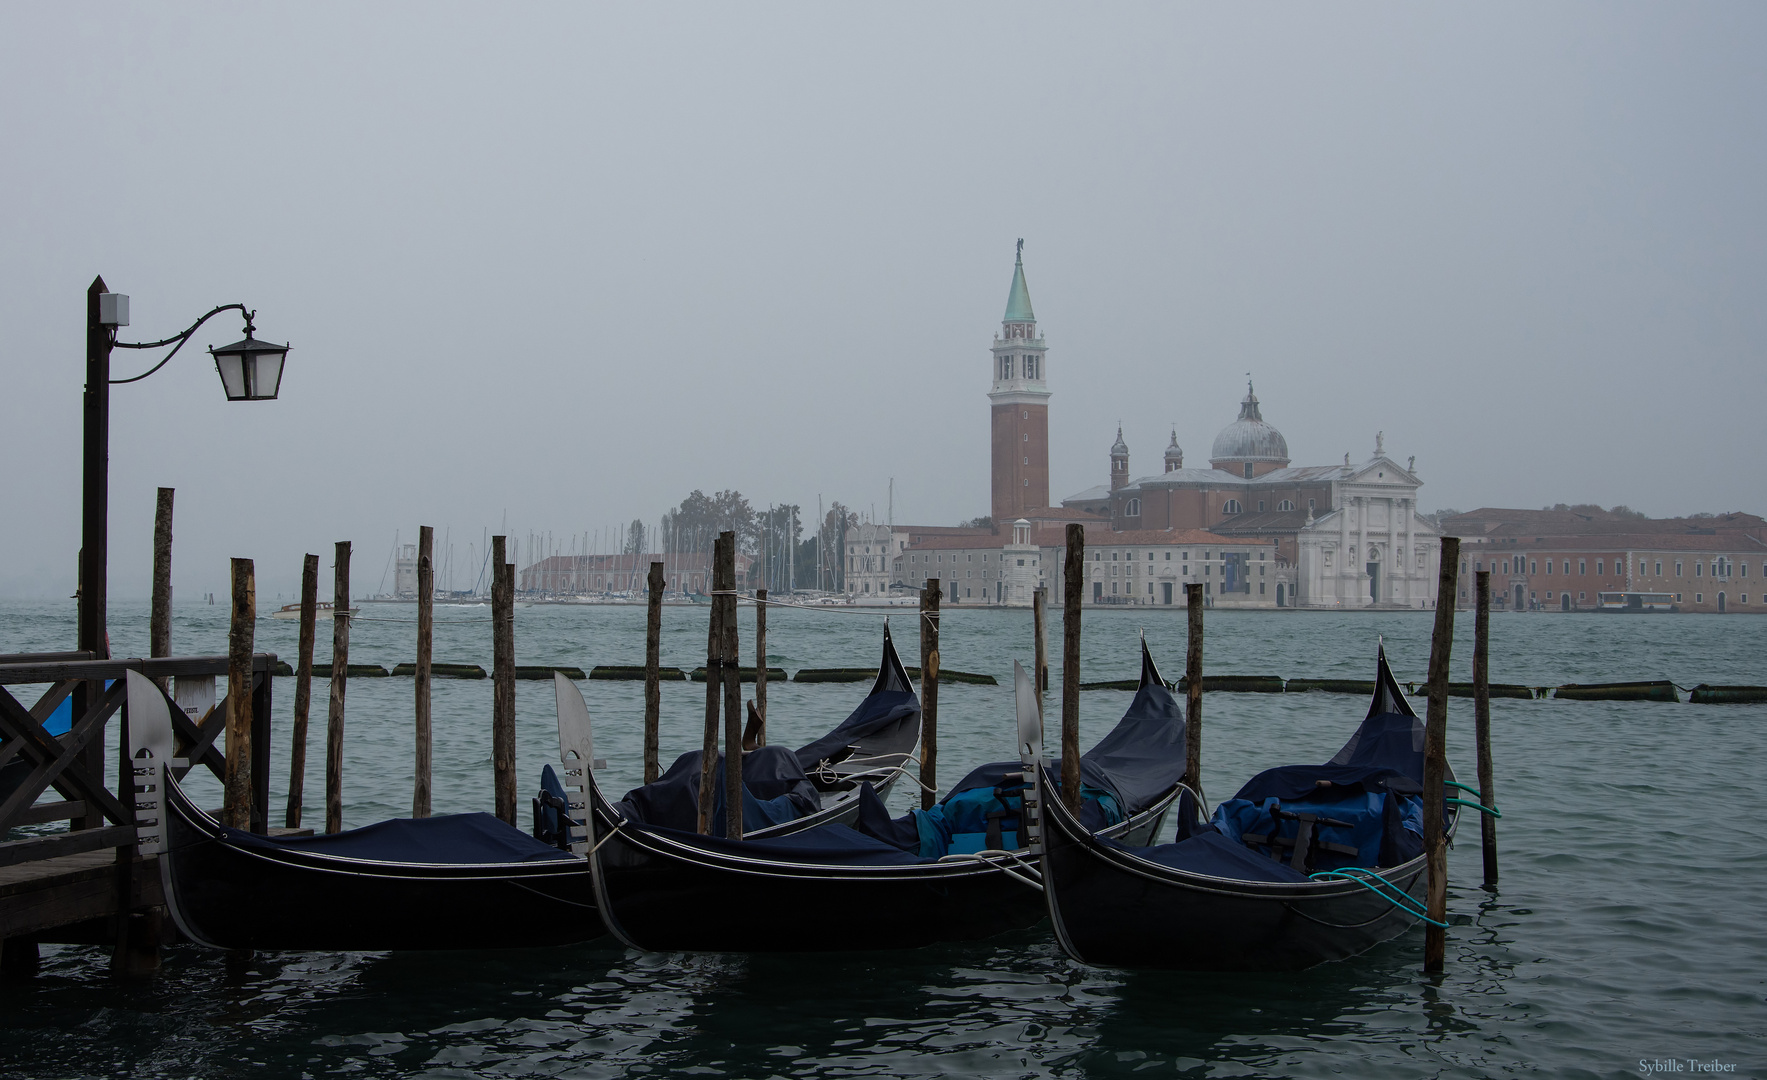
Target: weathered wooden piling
(236, 805)
(760, 702)
(653, 683)
(1435, 757)
(1193, 689)
(714, 690)
(340, 668)
(732, 698)
(159, 623)
(929, 694)
(1074, 584)
(1482, 723)
(1040, 629)
(426, 628)
(503, 682)
(303, 703)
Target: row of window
(1132, 508)
(1721, 567)
(1029, 364)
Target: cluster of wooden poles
(724, 691)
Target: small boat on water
(959, 871)
(1305, 864)
(321, 611)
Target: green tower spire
(1018, 301)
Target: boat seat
(1306, 841)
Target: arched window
(1232, 507)
(1133, 509)
(1286, 504)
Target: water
(1627, 928)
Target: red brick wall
(1020, 432)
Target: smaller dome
(1120, 448)
(1249, 438)
(1174, 453)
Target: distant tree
(696, 523)
(1625, 511)
(635, 538)
(986, 521)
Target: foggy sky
(558, 265)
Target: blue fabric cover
(775, 790)
(823, 844)
(1391, 741)
(958, 825)
(1365, 811)
(452, 839)
(1208, 852)
(1290, 782)
(874, 821)
(879, 712)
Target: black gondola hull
(232, 897)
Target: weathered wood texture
(236, 806)
(303, 702)
(340, 665)
(503, 682)
(714, 692)
(761, 665)
(1074, 585)
(159, 620)
(426, 629)
(653, 682)
(1435, 756)
(732, 697)
(1193, 689)
(929, 694)
(1482, 723)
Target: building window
(1232, 506)
(1286, 504)
(1260, 506)
(1699, 569)
(1599, 563)
(1699, 597)
(1006, 367)
(1659, 568)
(1582, 567)
(1677, 569)
(1548, 594)
(1309, 504)
(1169, 559)
(1150, 556)
(1027, 459)
(1134, 508)
(1582, 596)
(1533, 567)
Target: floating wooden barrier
(635, 672)
(1364, 687)
(1465, 689)
(1113, 684)
(282, 670)
(1237, 684)
(353, 671)
(1660, 690)
(746, 674)
(834, 674)
(443, 671)
(854, 675)
(1727, 695)
(545, 671)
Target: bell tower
(1020, 404)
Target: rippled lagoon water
(1627, 930)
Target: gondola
(956, 872)
(1306, 864)
(460, 881)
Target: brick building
(1564, 560)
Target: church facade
(1344, 536)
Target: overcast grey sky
(567, 263)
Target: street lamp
(250, 370)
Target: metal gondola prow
(1030, 751)
(576, 756)
(150, 756)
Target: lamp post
(250, 370)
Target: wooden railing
(32, 760)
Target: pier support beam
(1482, 724)
(653, 684)
(1193, 689)
(1435, 757)
(340, 663)
(303, 703)
(929, 694)
(1074, 582)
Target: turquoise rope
(1461, 786)
(1480, 807)
(1401, 900)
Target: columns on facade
(1394, 563)
(1410, 549)
(1361, 537)
(1344, 560)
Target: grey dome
(1249, 438)
(1120, 448)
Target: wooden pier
(87, 884)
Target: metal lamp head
(251, 370)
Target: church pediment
(1384, 471)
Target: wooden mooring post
(1482, 723)
(760, 702)
(732, 652)
(1435, 758)
(503, 682)
(303, 702)
(653, 683)
(929, 694)
(236, 804)
(714, 690)
(340, 664)
(1073, 584)
(1040, 630)
(1193, 689)
(159, 622)
(426, 628)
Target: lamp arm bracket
(179, 341)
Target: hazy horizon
(560, 266)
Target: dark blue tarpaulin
(452, 839)
(774, 790)
(823, 844)
(1210, 853)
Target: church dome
(1249, 438)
